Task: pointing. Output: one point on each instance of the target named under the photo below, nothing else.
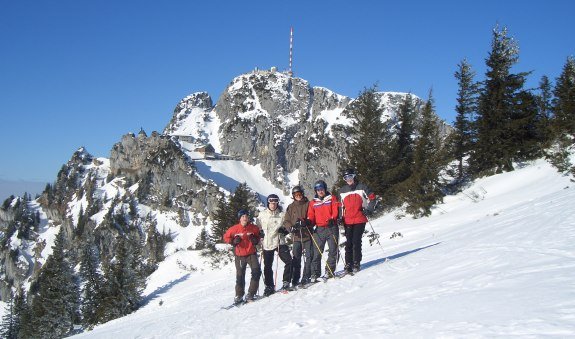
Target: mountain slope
(495, 260)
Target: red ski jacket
(320, 211)
(245, 247)
(354, 199)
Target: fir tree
(498, 106)
(424, 186)
(15, 317)
(225, 215)
(55, 307)
(544, 111)
(464, 134)
(222, 220)
(125, 282)
(564, 102)
(399, 162)
(366, 154)
(9, 327)
(155, 241)
(93, 287)
(203, 241)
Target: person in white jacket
(270, 222)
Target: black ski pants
(285, 256)
(301, 248)
(353, 235)
(241, 264)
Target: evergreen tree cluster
(61, 301)
(226, 215)
(25, 222)
(499, 122)
(396, 159)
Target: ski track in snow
(498, 263)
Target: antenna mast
(290, 72)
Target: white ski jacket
(270, 221)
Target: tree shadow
(162, 289)
(395, 256)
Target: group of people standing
(312, 224)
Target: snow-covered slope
(494, 261)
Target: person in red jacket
(245, 236)
(322, 212)
(357, 201)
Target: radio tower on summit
(290, 71)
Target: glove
(367, 212)
(298, 224)
(236, 240)
(331, 223)
(282, 230)
(262, 234)
(254, 239)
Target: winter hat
(320, 184)
(243, 212)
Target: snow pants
(285, 256)
(353, 235)
(301, 248)
(241, 264)
(322, 235)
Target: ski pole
(261, 270)
(277, 262)
(376, 237)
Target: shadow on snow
(163, 289)
(227, 183)
(395, 256)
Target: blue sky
(83, 73)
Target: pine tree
(55, 307)
(9, 327)
(125, 281)
(498, 101)
(23, 315)
(544, 111)
(464, 135)
(225, 215)
(155, 241)
(424, 186)
(93, 287)
(524, 142)
(399, 160)
(203, 240)
(366, 154)
(564, 102)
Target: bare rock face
(162, 169)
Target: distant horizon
(19, 187)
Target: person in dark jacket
(322, 212)
(356, 201)
(295, 221)
(245, 236)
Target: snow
(494, 261)
(230, 173)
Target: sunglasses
(348, 177)
(273, 200)
(298, 194)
